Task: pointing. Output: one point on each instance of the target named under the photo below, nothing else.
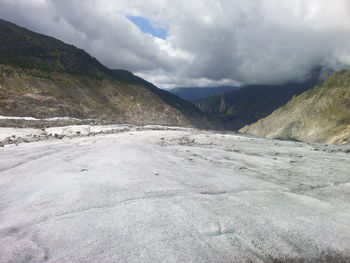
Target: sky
(145, 25)
(198, 42)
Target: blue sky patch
(146, 27)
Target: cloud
(207, 42)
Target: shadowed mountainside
(250, 103)
(196, 93)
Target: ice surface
(74, 130)
(16, 135)
(19, 132)
(173, 196)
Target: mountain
(42, 77)
(196, 93)
(250, 103)
(318, 115)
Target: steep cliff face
(318, 115)
(42, 77)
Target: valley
(97, 164)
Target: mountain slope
(251, 103)
(196, 93)
(41, 76)
(318, 115)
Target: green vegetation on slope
(25, 49)
(318, 115)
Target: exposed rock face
(42, 77)
(318, 115)
(85, 97)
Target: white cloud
(210, 42)
(166, 80)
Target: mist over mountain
(250, 103)
(196, 93)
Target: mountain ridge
(42, 77)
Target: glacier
(167, 194)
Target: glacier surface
(173, 195)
